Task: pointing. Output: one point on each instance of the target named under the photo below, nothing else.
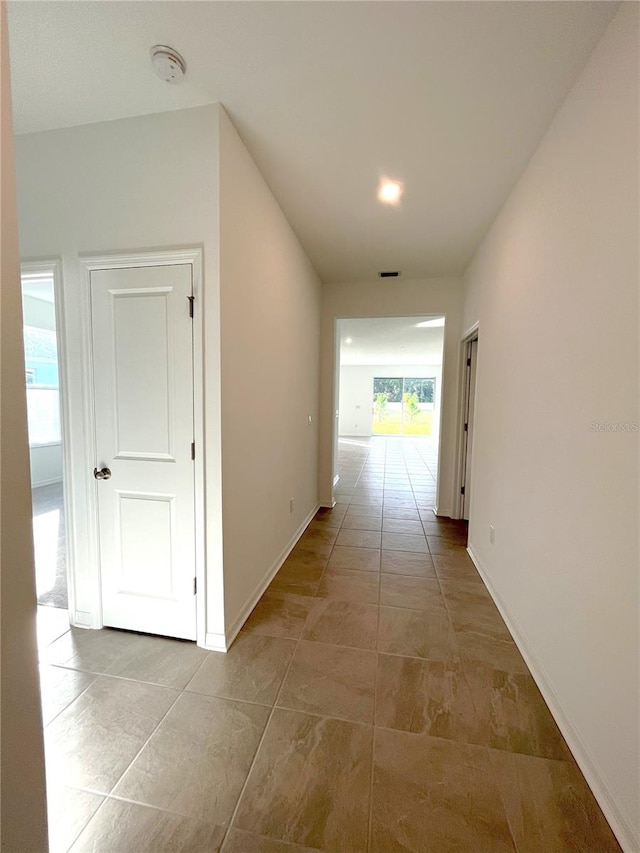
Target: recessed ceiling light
(430, 324)
(348, 341)
(389, 192)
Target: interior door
(143, 406)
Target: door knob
(104, 474)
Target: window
(403, 405)
(41, 361)
(424, 389)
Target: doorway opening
(390, 389)
(44, 385)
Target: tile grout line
(262, 737)
(82, 692)
(127, 677)
(375, 684)
(298, 641)
(375, 702)
(375, 688)
(85, 825)
(107, 796)
(164, 717)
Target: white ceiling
(396, 340)
(451, 98)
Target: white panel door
(143, 407)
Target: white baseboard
(442, 512)
(215, 642)
(222, 642)
(81, 619)
(627, 836)
(46, 483)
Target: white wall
(46, 460)
(96, 188)
(46, 464)
(24, 816)
(555, 288)
(270, 325)
(400, 298)
(38, 313)
(138, 183)
(356, 394)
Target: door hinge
(468, 360)
(466, 427)
(195, 586)
(193, 450)
(191, 299)
(462, 491)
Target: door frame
(53, 266)
(470, 335)
(162, 257)
(335, 389)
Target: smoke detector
(167, 63)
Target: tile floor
(373, 702)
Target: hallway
(374, 701)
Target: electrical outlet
(291, 503)
(492, 534)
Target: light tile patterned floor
(373, 702)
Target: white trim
(88, 424)
(80, 619)
(471, 334)
(153, 258)
(162, 257)
(53, 267)
(222, 643)
(41, 483)
(337, 364)
(443, 386)
(442, 512)
(628, 838)
(198, 437)
(37, 445)
(215, 642)
(335, 406)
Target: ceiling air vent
(389, 274)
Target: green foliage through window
(403, 405)
(424, 389)
(411, 405)
(391, 388)
(380, 404)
